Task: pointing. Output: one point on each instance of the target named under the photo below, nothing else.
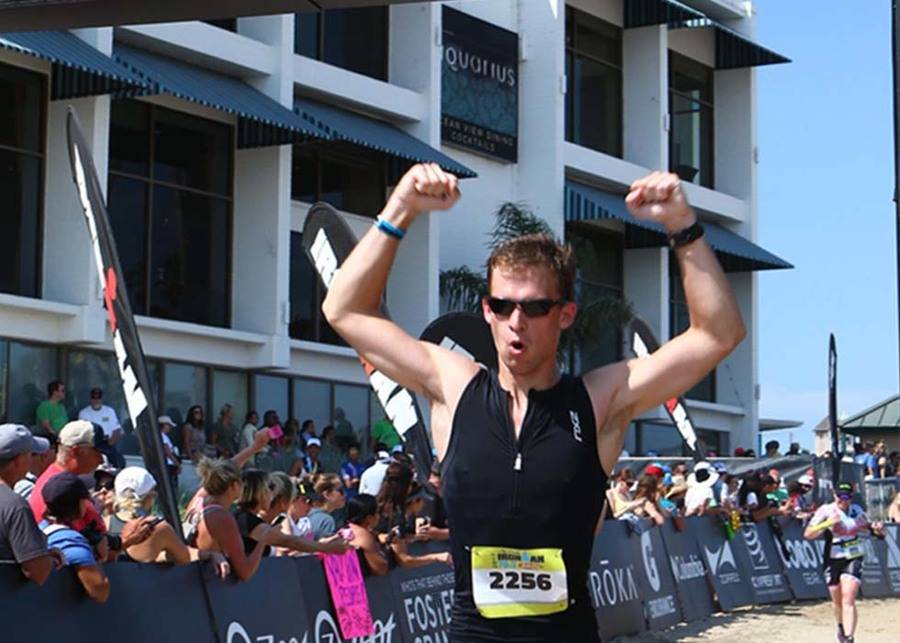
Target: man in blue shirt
(351, 471)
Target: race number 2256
(520, 580)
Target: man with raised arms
(521, 445)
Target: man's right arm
(353, 303)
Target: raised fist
(425, 187)
(658, 197)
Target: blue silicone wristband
(389, 229)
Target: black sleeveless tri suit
(543, 490)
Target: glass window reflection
(31, 368)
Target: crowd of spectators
(660, 492)
(67, 498)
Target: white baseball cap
(136, 479)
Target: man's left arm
(626, 389)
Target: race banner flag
(465, 333)
(832, 410)
(328, 240)
(127, 344)
(643, 342)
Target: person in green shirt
(383, 431)
(51, 413)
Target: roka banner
(126, 343)
(613, 583)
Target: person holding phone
(135, 493)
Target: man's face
(525, 344)
(59, 393)
(87, 459)
(96, 402)
(354, 454)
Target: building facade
(213, 139)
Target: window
(594, 83)
(271, 393)
(184, 386)
(350, 416)
(307, 293)
(717, 441)
(31, 368)
(353, 39)
(599, 255)
(229, 387)
(312, 401)
(691, 120)
(22, 101)
(350, 180)
(664, 439)
(679, 321)
(170, 204)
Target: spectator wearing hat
(79, 453)
(39, 463)
(135, 494)
(312, 466)
(351, 471)
(21, 542)
(373, 476)
(173, 463)
(799, 501)
(51, 414)
(296, 519)
(67, 501)
(96, 412)
(699, 498)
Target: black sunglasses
(530, 307)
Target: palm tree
(463, 289)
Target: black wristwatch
(686, 236)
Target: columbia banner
(126, 343)
(328, 240)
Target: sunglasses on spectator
(530, 307)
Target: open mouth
(517, 346)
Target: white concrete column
(540, 171)
(735, 133)
(415, 63)
(736, 376)
(646, 282)
(645, 69)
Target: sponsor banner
(613, 583)
(688, 571)
(423, 598)
(244, 614)
(126, 342)
(802, 562)
(875, 582)
(758, 545)
(890, 554)
(465, 333)
(727, 570)
(479, 86)
(328, 240)
(661, 606)
(150, 603)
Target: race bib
(848, 549)
(508, 582)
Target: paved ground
(790, 623)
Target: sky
(826, 181)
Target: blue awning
(262, 120)
(377, 135)
(733, 49)
(736, 254)
(77, 68)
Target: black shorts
(837, 567)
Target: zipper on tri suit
(519, 446)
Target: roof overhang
(31, 15)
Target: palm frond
(515, 220)
(462, 288)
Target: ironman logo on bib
(508, 582)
